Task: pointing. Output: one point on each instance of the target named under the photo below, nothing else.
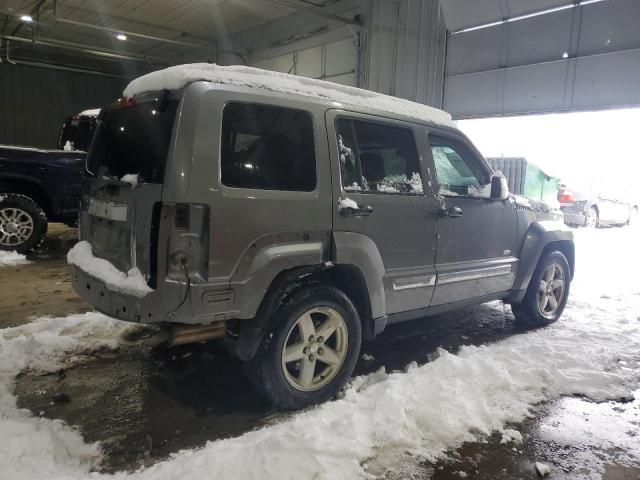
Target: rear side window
(133, 139)
(377, 158)
(268, 148)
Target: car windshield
(133, 139)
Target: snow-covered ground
(422, 412)
(11, 259)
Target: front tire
(310, 349)
(547, 293)
(23, 224)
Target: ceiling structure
(158, 32)
(513, 57)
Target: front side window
(376, 158)
(457, 170)
(268, 148)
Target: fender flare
(352, 249)
(541, 236)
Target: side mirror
(499, 187)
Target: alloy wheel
(551, 290)
(16, 226)
(315, 349)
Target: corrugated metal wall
(581, 58)
(35, 101)
(402, 47)
(406, 50)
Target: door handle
(356, 212)
(452, 212)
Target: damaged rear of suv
(296, 218)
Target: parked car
(296, 218)
(39, 185)
(585, 209)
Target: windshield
(133, 139)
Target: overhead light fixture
(26, 18)
(121, 36)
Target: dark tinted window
(268, 148)
(133, 139)
(78, 132)
(377, 158)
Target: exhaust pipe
(183, 334)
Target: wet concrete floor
(144, 405)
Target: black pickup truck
(38, 185)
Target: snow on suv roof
(175, 78)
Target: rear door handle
(356, 212)
(452, 212)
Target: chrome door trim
(414, 282)
(474, 274)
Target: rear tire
(547, 293)
(592, 219)
(310, 349)
(633, 215)
(23, 224)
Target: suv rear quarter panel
(254, 233)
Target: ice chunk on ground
(11, 259)
(176, 77)
(132, 282)
(346, 203)
(542, 469)
(511, 435)
(367, 358)
(131, 178)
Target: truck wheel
(591, 220)
(309, 351)
(547, 293)
(633, 214)
(23, 224)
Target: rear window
(133, 140)
(268, 148)
(78, 132)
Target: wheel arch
(541, 237)
(347, 278)
(29, 188)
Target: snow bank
(424, 411)
(174, 78)
(132, 282)
(11, 259)
(33, 447)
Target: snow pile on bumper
(132, 282)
